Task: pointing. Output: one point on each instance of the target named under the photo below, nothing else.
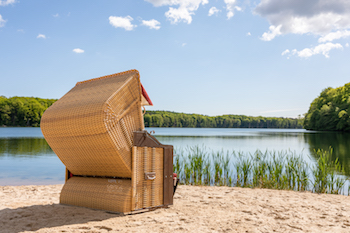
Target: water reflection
(244, 140)
(340, 142)
(27, 147)
(28, 161)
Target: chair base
(111, 195)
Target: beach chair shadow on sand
(112, 163)
(36, 217)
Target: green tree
(174, 119)
(329, 111)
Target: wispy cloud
(285, 52)
(2, 22)
(152, 24)
(184, 12)
(6, 2)
(41, 36)
(272, 33)
(231, 7)
(319, 49)
(213, 11)
(77, 50)
(56, 15)
(334, 36)
(122, 22)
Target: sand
(195, 209)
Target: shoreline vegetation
(22, 111)
(281, 170)
(174, 119)
(330, 111)
(27, 112)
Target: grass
(273, 170)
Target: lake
(26, 158)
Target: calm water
(26, 158)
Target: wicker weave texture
(91, 127)
(98, 193)
(147, 193)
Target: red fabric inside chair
(144, 93)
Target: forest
(27, 111)
(330, 110)
(173, 119)
(22, 111)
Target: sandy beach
(196, 209)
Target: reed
(286, 170)
(325, 172)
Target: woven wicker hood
(91, 127)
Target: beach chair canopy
(91, 127)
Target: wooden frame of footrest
(150, 156)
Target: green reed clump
(270, 169)
(226, 169)
(199, 157)
(325, 173)
(243, 167)
(192, 167)
(277, 170)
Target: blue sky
(213, 57)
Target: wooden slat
(168, 176)
(134, 178)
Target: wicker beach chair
(112, 163)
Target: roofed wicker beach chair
(112, 163)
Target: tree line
(27, 111)
(22, 111)
(330, 110)
(174, 119)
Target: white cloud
(152, 24)
(285, 52)
(347, 45)
(305, 53)
(213, 11)
(77, 50)
(56, 15)
(6, 2)
(122, 22)
(2, 21)
(231, 7)
(41, 36)
(334, 36)
(20, 30)
(249, 34)
(272, 33)
(319, 17)
(184, 44)
(319, 49)
(183, 13)
(179, 14)
(157, 3)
